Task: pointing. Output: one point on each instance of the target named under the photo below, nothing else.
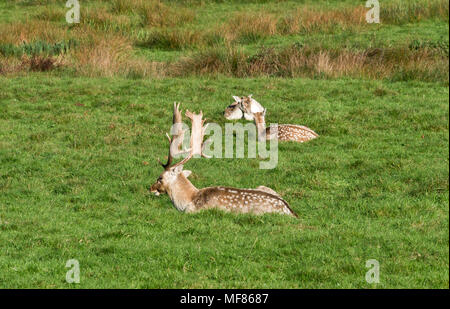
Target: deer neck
(182, 193)
(261, 127)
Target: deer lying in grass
(187, 198)
(243, 107)
(248, 108)
(284, 132)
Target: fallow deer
(242, 107)
(187, 198)
(284, 132)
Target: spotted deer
(187, 198)
(242, 107)
(284, 132)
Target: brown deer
(187, 198)
(284, 132)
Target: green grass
(74, 180)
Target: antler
(196, 141)
(198, 133)
(175, 143)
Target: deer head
(233, 112)
(242, 107)
(169, 177)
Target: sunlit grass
(77, 156)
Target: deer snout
(155, 190)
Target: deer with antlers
(187, 198)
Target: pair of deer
(249, 109)
(186, 197)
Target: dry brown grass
(249, 25)
(254, 25)
(36, 63)
(20, 32)
(305, 20)
(112, 56)
(231, 62)
(398, 62)
(101, 19)
(399, 12)
(172, 39)
(98, 53)
(39, 63)
(154, 13)
(9, 65)
(51, 13)
(103, 55)
(106, 33)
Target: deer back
(241, 201)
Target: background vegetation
(141, 38)
(84, 109)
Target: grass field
(84, 109)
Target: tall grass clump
(171, 39)
(230, 61)
(112, 55)
(400, 12)
(301, 61)
(33, 30)
(102, 55)
(249, 26)
(307, 20)
(102, 20)
(154, 13)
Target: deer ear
(187, 173)
(178, 169)
(237, 99)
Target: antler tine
(169, 157)
(176, 113)
(189, 115)
(186, 158)
(176, 118)
(183, 161)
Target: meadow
(84, 109)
